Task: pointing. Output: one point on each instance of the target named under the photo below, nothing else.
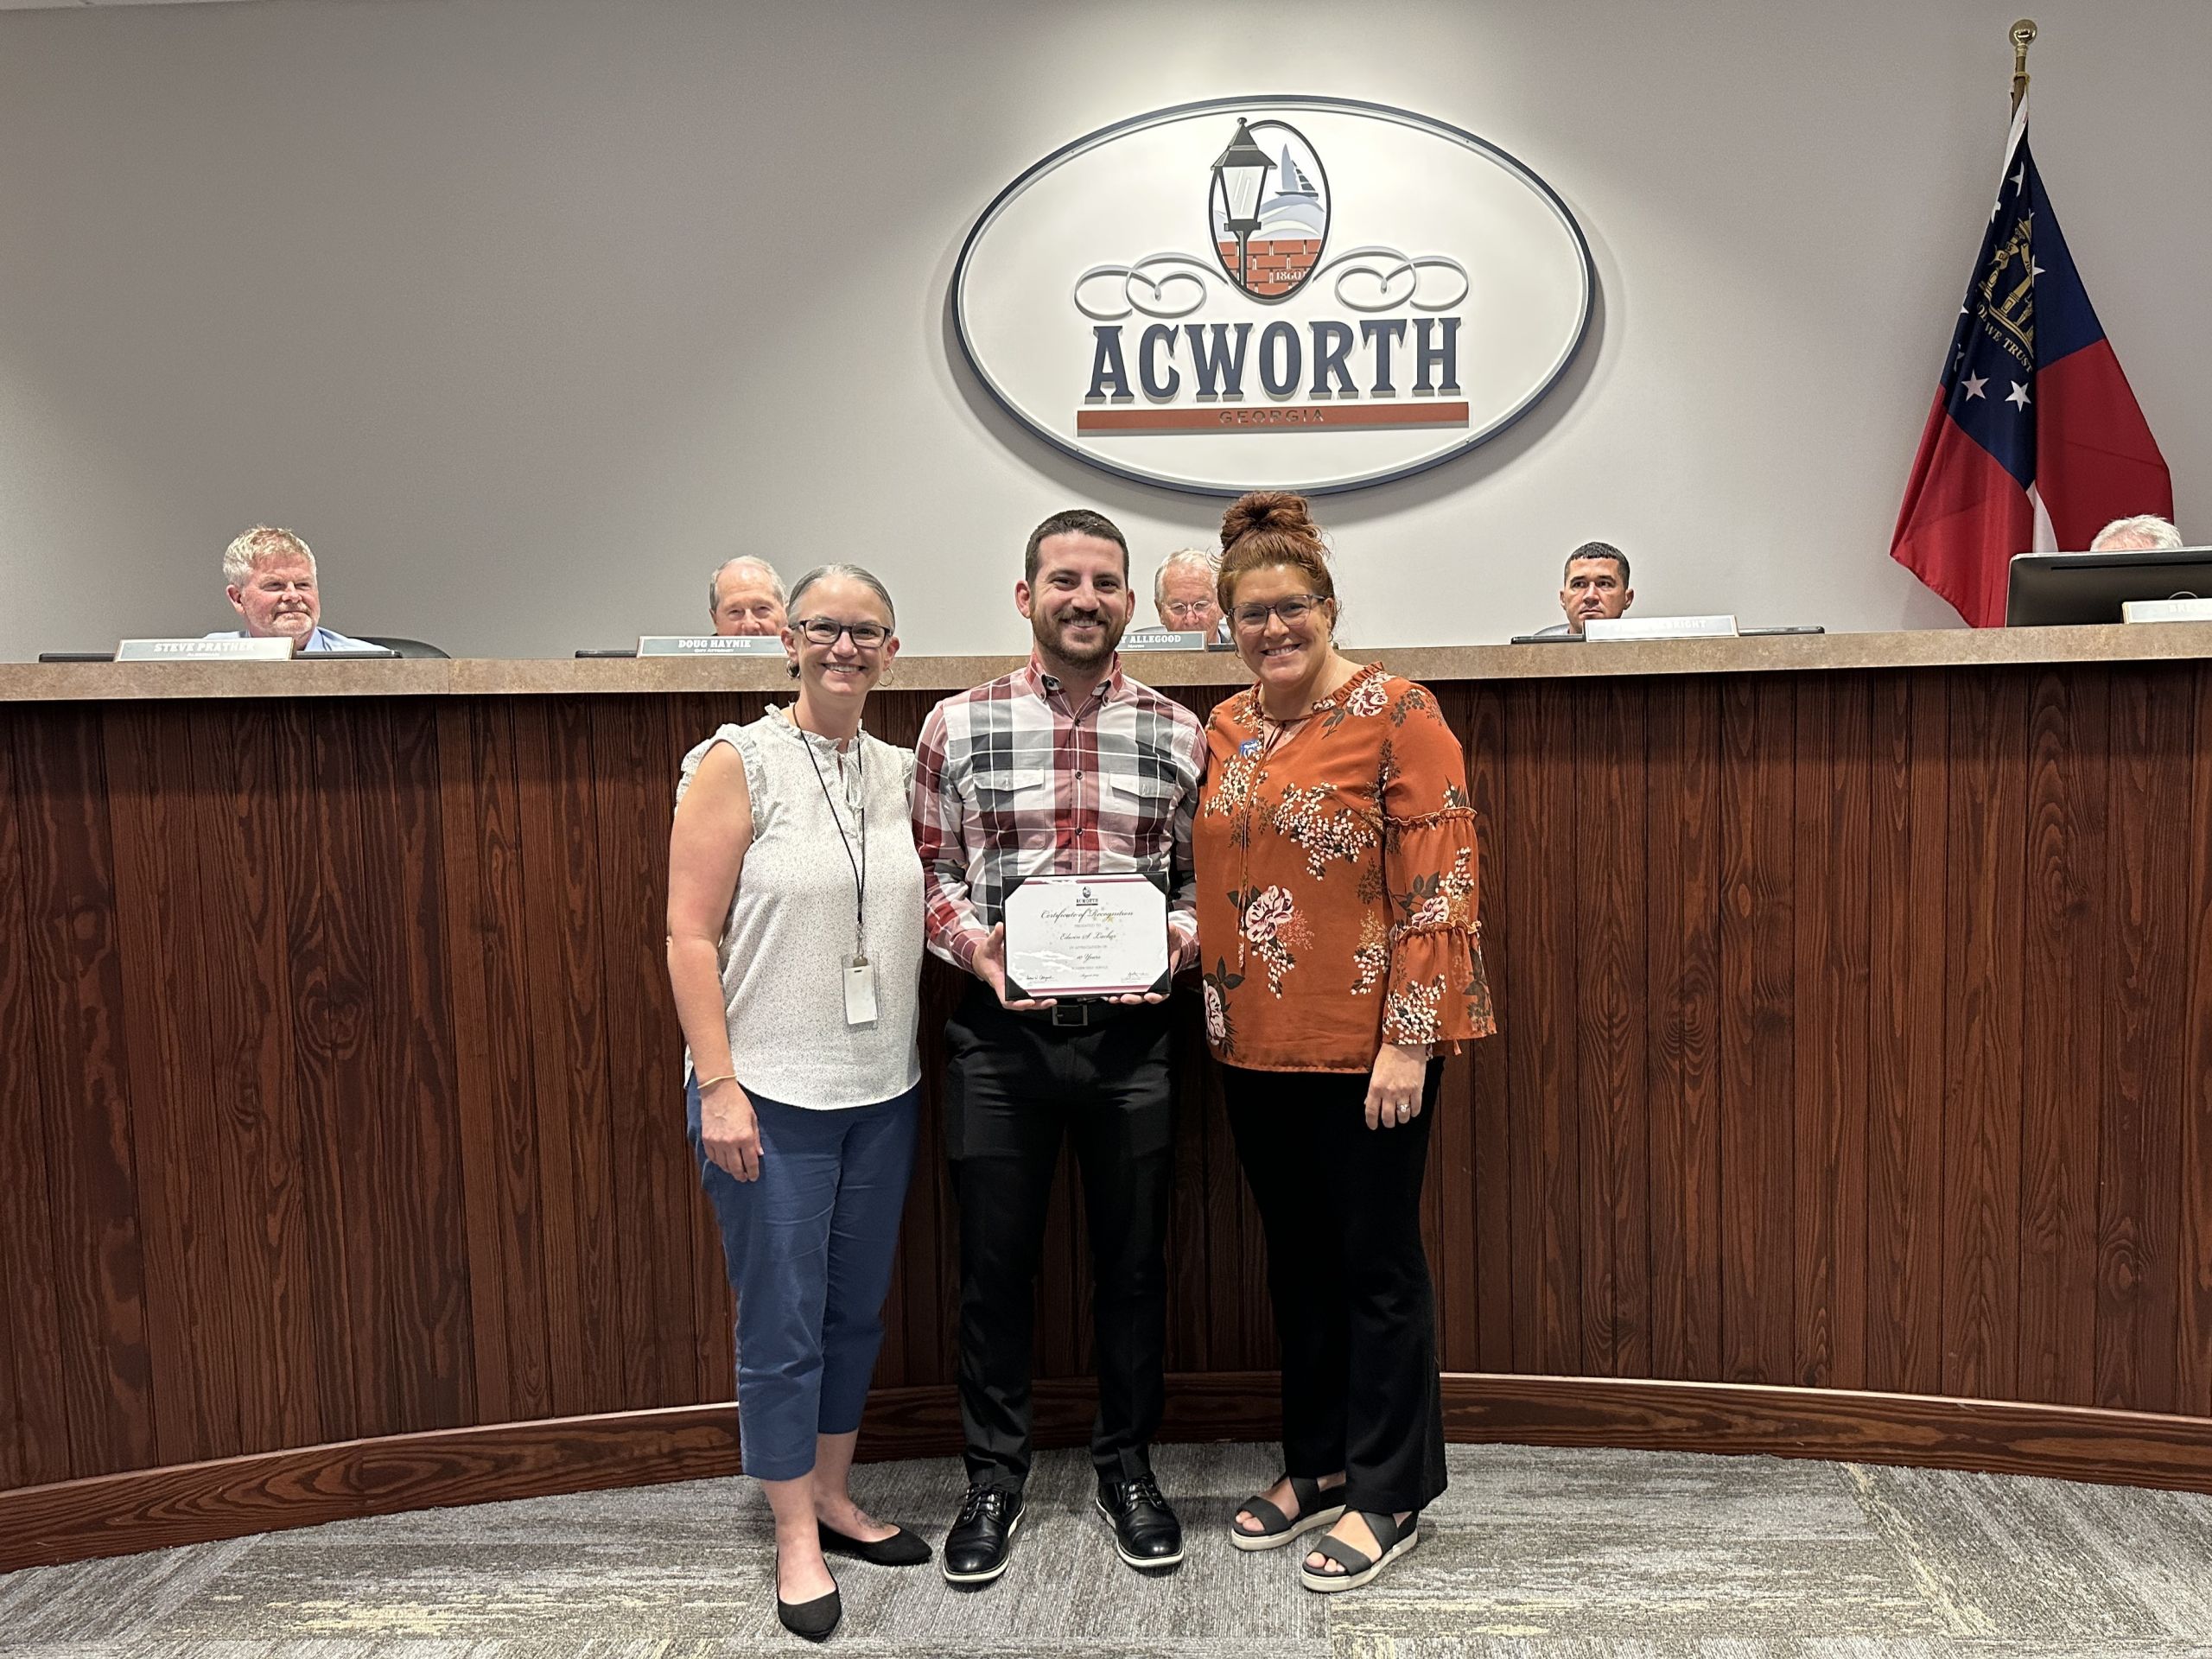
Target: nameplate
(710, 645)
(1164, 639)
(2166, 610)
(1599, 628)
(277, 648)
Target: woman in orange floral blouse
(1336, 864)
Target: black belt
(1074, 1015)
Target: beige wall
(526, 312)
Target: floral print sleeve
(1436, 992)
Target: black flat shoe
(901, 1548)
(981, 1539)
(812, 1619)
(1147, 1534)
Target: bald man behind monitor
(2145, 533)
(746, 595)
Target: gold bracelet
(711, 1082)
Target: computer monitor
(2049, 588)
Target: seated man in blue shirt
(270, 577)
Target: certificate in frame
(1086, 936)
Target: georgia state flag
(2034, 442)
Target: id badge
(860, 992)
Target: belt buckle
(1069, 1014)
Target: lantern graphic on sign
(1268, 209)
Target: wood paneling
(1985, 837)
(1905, 1035)
(2062, 1058)
(74, 977)
(1609, 1038)
(34, 1440)
(1536, 1020)
(1488, 1345)
(1832, 835)
(2193, 1250)
(1758, 1053)
(1856, 1033)
(1682, 1009)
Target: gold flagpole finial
(2023, 36)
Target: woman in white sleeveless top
(794, 950)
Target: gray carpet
(1533, 1553)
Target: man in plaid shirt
(1067, 767)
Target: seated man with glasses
(1183, 594)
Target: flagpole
(2023, 36)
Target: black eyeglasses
(821, 631)
(1292, 609)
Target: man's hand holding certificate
(1085, 936)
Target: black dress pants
(1340, 1204)
(1016, 1085)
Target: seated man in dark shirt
(1596, 585)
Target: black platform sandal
(1393, 1538)
(1277, 1528)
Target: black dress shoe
(981, 1538)
(1146, 1532)
(812, 1619)
(901, 1548)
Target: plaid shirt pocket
(1138, 819)
(1010, 799)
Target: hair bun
(1276, 511)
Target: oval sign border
(1412, 119)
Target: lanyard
(860, 865)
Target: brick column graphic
(1279, 264)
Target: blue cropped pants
(809, 1248)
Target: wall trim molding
(198, 1503)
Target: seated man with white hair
(746, 595)
(2145, 533)
(270, 579)
(1184, 593)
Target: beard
(1051, 634)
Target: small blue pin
(1249, 746)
